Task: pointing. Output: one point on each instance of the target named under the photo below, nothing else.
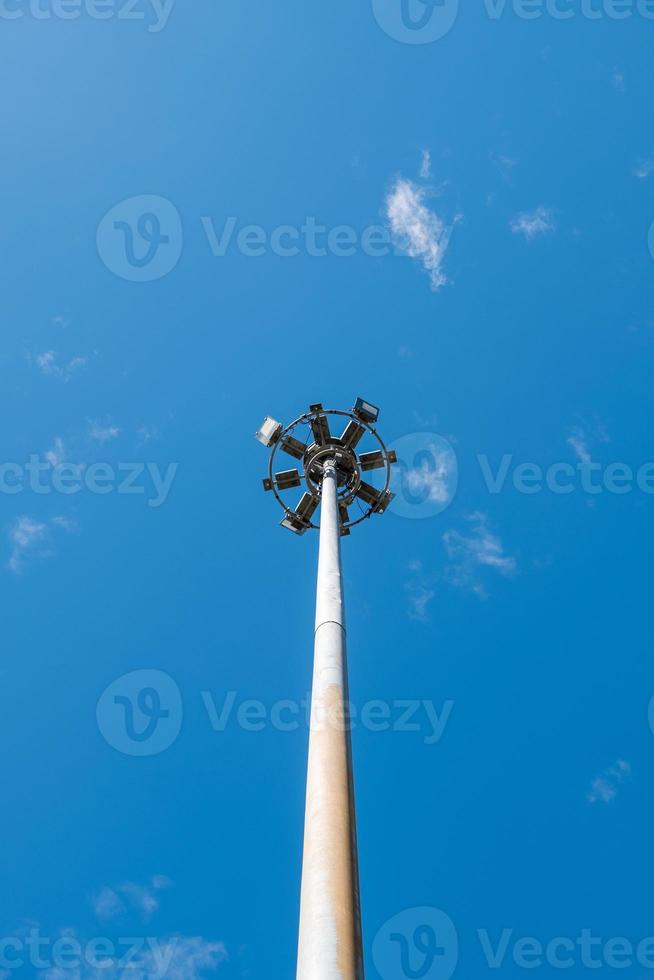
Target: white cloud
(419, 598)
(644, 168)
(103, 432)
(113, 902)
(419, 590)
(577, 440)
(107, 905)
(618, 81)
(504, 164)
(580, 439)
(57, 453)
(161, 881)
(146, 433)
(425, 165)
(49, 363)
(482, 549)
(65, 523)
(416, 230)
(604, 788)
(27, 537)
(533, 223)
(30, 539)
(435, 480)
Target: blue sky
(508, 168)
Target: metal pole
(330, 916)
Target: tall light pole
(329, 946)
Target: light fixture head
(311, 440)
(293, 447)
(291, 523)
(372, 461)
(385, 500)
(269, 432)
(353, 434)
(365, 411)
(287, 479)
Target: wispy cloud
(103, 432)
(618, 81)
(577, 440)
(472, 553)
(420, 592)
(27, 538)
(30, 539)
(644, 168)
(432, 482)
(531, 224)
(57, 453)
(581, 437)
(504, 164)
(146, 433)
(49, 363)
(416, 230)
(604, 788)
(425, 165)
(419, 598)
(108, 905)
(114, 902)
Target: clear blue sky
(531, 334)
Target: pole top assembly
(318, 447)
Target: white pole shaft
(330, 917)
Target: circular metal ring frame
(305, 419)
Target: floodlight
(368, 494)
(320, 429)
(372, 461)
(269, 432)
(291, 523)
(365, 411)
(384, 502)
(342, 510)
(287, 479)
(352, 434)
(307, 507)
(293, 447)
